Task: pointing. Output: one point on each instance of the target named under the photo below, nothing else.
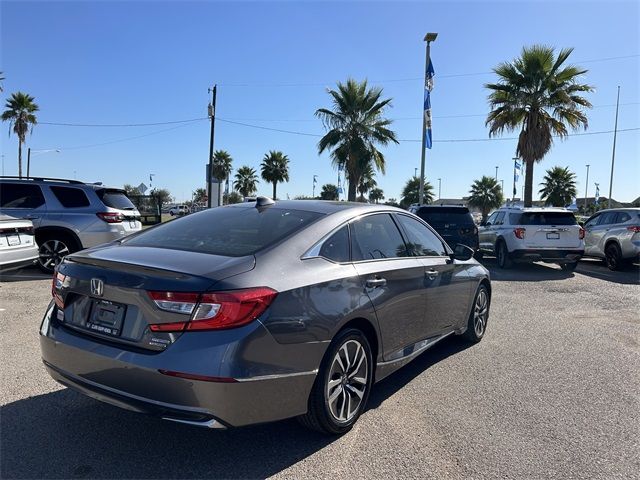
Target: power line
(121, 124)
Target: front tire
(477, 323)
(503, 257)
(341, 390)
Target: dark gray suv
(259, 311)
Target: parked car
(454, 223)
(614, 235)
(257, 312)
(68, 215)
(178, 210)
(517, 234)
(18, 248)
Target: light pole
(212, 115)
(429, 37)
(586, 189)
(315, 180)
(496, 173)
(613, 155)
(415, 172)
(502, 186)
(36, 152)
(439, 188)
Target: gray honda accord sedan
(259, 311)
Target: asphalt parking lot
(553, 391)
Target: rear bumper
(550, 256)
(254, 385)
(18, 258)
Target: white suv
(517, 234)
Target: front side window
(375, 237)
(336, 247)
(70, 197)
(491, 219)
(592, 222)
(20, 195)
(499, 219)
(422, 241)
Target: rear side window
(422, 241)
(545, 218)
(70, 197)
(623, 217)
(375, 237)
(227, 231)
(20, 195)
(115, 199)
(336, 247)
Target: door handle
(31, 217)
(376, 282)
(431, 274)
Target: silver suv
(68, 215)
(517, 234)
(614, 235)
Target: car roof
(326, 207)
(58, 182)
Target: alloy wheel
(347, 381)
(612, 258)
(480, 312)
(51, 253)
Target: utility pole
(613, 155)
(28, 160)
(429, 37)
(439, 188)
(212, 116)
(586, 189)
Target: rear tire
(613, 257)
(52, 248)
(569, 267)
(341, 390)
(477, 323)
(502, 256)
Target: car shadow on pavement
(630, 275)
(24, 274)
(525, 272)
(66, 435)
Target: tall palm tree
(246, 181)
(355, 127)
(20, 108)
(411, 192)
(222, 164)
(275, 168)
(367, 182)
(376, 195)
(558, 187)
(486, 195)
(329, 192)
(539, 95)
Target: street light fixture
(36, 152)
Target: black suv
(454, 223)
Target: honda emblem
(97, 287)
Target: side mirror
(462, 253)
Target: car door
(485, 232)
(600, 230)
(447, 284)
(392, 279)
(23, 200)
(589, 236)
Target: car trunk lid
(550, 230)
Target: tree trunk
(19, 158)
(351, 195)
(274, 190)
(485, 213)
(528, 184)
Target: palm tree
(329, 192)
(222, 164)
(1, 79)
(246, 181)
(539, 96)
(559, 187)
(367, 182)
(411, 192)
(275, 168)
(376, 195)
(19, 113)
(355, 127)
(486, 195)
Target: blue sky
(146, 62)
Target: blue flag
(597, 199)
(427, 119)
(430, 74)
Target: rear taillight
(581, 234)
(56, 284)
(519, 232)
(213, 311)
(110, 217)
(634, 228)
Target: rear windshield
(227, 231)
(459, 216)
(115, 199)
(543, 218)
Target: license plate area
(106, 318)
(553, 236)
(13, 240)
